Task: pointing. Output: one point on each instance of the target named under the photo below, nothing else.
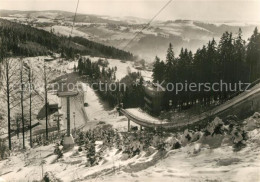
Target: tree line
(232, 60)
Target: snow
(194, 162)
(184, 166)
(239, 24)
(123, 67)
(95, 109)
(54, 99)
(65, 30)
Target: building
(153, 98)
(54, 104)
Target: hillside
(24, 40)
(201, 158)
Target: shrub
(4, 151)
(58, 151)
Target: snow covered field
(194, 162)
(123, 67)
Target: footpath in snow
(96, 109)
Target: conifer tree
(158, 70)
(169, 71)
(253, 55)
(241, 70)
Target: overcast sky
(217, 10)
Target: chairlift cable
(73, 22)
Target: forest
(232, 60)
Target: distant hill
(24, 40)
(57, 14)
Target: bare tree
(22, 108)
(46, 99)
(8, 74)
(30, 90)
(47, 76)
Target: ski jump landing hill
(242, 105)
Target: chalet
(139, 67)
(153, 98)
(54, 102)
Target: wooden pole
(68, 116)
(58, 124)
(21, 72)
(30, 106)
(46, 100)
(8, 104)
(74, 124)
(128, 125)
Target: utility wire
(148, 24)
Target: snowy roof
(67, 94)
(154, 89)
(53, 99)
